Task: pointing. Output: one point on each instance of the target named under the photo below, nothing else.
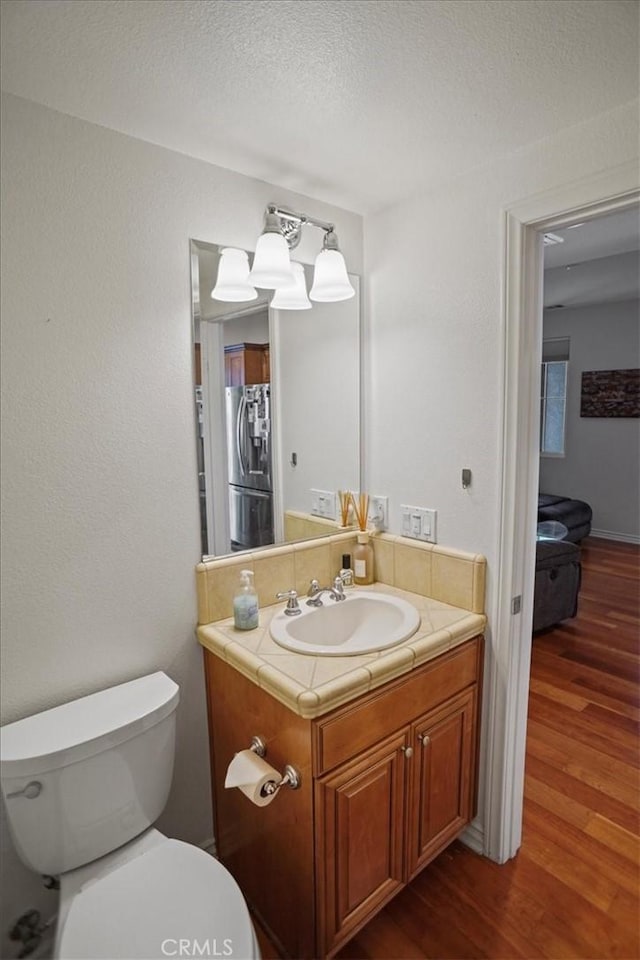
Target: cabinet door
(254, 363)
(234, 368)
(443, 775)
(359, 839)
(246, 363)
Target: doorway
(589, 452)
(508, 681)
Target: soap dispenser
(245, 603)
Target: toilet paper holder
(258, 746)
(290, 778)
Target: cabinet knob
(408, 751)
(424, 739)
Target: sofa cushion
(575, 514)
(546, 499)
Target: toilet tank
(84, 778)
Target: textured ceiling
(357, 102)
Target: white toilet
(82, 784)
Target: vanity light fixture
(232, 283)
(293, 298)
(273, 270)
(330, 282)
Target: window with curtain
(553, 396)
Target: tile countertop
(312, 685)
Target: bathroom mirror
(277, 400)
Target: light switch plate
(418, 523)
(323, 504)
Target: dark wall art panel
(610, 393)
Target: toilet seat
(175, 900)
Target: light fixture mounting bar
(291, 223)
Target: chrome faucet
(315, 591)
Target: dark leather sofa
(558, 569)
(575, 514)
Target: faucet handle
(291, 596)
(338, 586)
(314, 587)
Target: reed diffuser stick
(361, 510)
(345, 502)
(364, 510)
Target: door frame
(521, 347)
(215, 437)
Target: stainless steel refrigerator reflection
(250, 479)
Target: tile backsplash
(451, 576)
(290, 566)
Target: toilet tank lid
(81, 728)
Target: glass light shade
(271, 264)
(330, 279)
(232, 283)
(293, 298)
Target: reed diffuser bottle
(363, 561)
(363, 551)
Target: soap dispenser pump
(245, 603)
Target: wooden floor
(572, 890)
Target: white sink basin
(362, 623)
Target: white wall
(434, 304)
(318, 399)
(602, 455)
(251, 329)
(101, 530)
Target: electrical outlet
(378, 512)
(323, 504)
(419, 523)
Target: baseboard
(209, 845)
(473, 837)
(611, 535)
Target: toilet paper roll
(249, 773)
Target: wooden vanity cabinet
(387, 812)
(388, 781)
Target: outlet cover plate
(379, 512)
